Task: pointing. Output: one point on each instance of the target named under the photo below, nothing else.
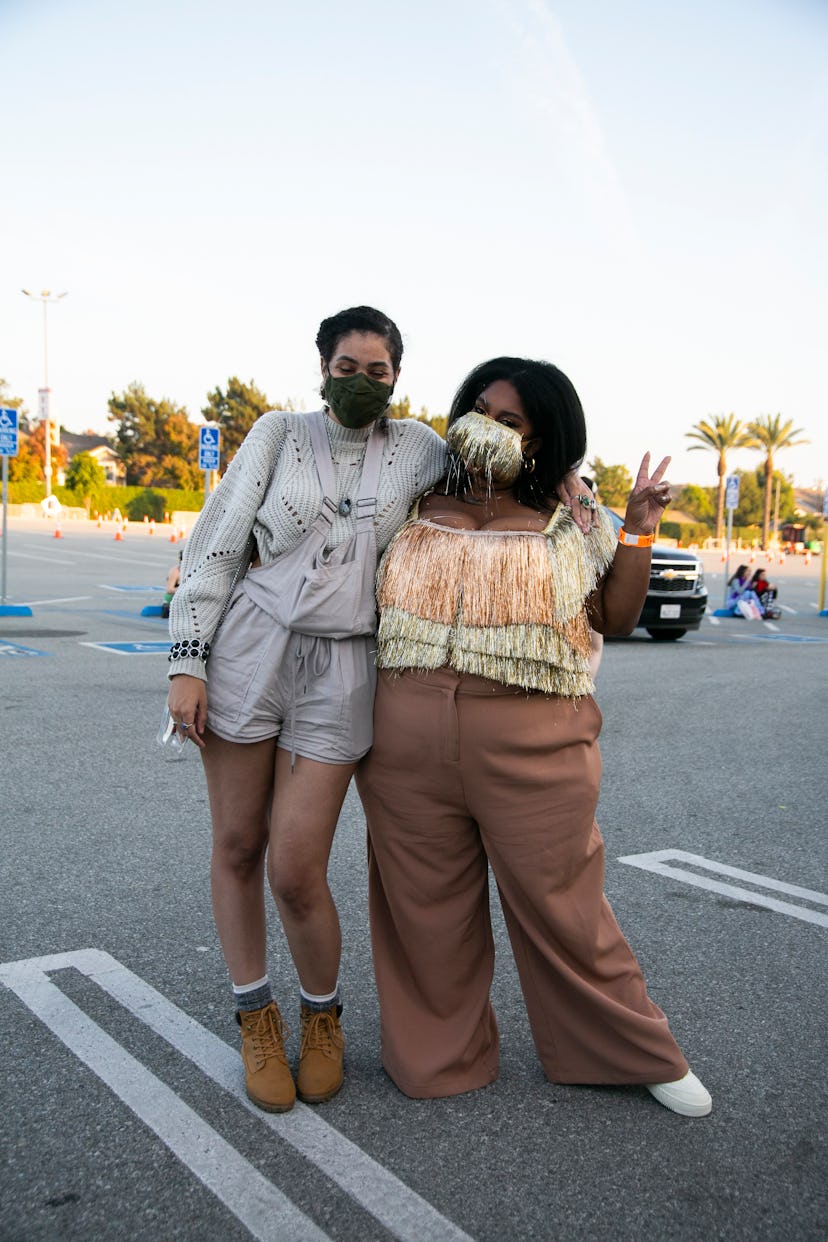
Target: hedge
(30, 492)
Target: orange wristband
(634, 541)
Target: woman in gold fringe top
(486, 751)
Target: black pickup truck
(676, 597)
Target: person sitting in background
(171, 585)
(765, 594)
(737, 584)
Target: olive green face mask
(357, 400)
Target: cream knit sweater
(272, 488)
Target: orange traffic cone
(100, 523)
(118, 536)
(58, 533)
(151, 530)
(173, 536)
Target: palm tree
(723, 433)
(769, 434)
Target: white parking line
(122, 558)
(657, 862)
(30, 556)
(404, 1213)
(264, 1210)
(69, 599)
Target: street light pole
(45, 296)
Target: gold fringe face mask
(488, 450)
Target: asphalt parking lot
(120, 1088)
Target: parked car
(677, 597)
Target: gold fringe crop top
(507, 605)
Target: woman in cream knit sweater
(281, 712)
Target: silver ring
(183, 725)
(588, 502)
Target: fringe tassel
(507, 605)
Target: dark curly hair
(359, 319)
(554, 409)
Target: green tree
(699, 502)
(725, 432)
(85, 477)
(402, 409)
(613, 484)
(30, 463)
(770, 436)
(751, 507)
(155, 440)
(236, 410)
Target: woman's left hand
(648, 499)
(574, 494)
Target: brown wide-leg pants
(466, 772)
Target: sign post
(823, 556)
(731, 503)
(8, 448)
(209, 452)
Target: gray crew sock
(253, 998)
(320, 1004)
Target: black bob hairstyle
(552, 406)
(359, 319)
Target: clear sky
(633, 189)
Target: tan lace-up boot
(321, 1054)
(267, 1075)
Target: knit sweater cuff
(192, 668)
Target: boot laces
(320, 1034)
(268, 1035)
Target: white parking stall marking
(123, 556)
(30, 556)
(264, 1210)
(404, 1213)
(658, 862)
(68, 599)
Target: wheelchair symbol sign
(8, 431)
(209, 448)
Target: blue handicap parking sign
(209, 448)
(8, 431)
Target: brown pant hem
(436, 1091)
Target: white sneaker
(686, 1096)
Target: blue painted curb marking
(152, 610)
(15, 610)
(131, 588)
(136, 648)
